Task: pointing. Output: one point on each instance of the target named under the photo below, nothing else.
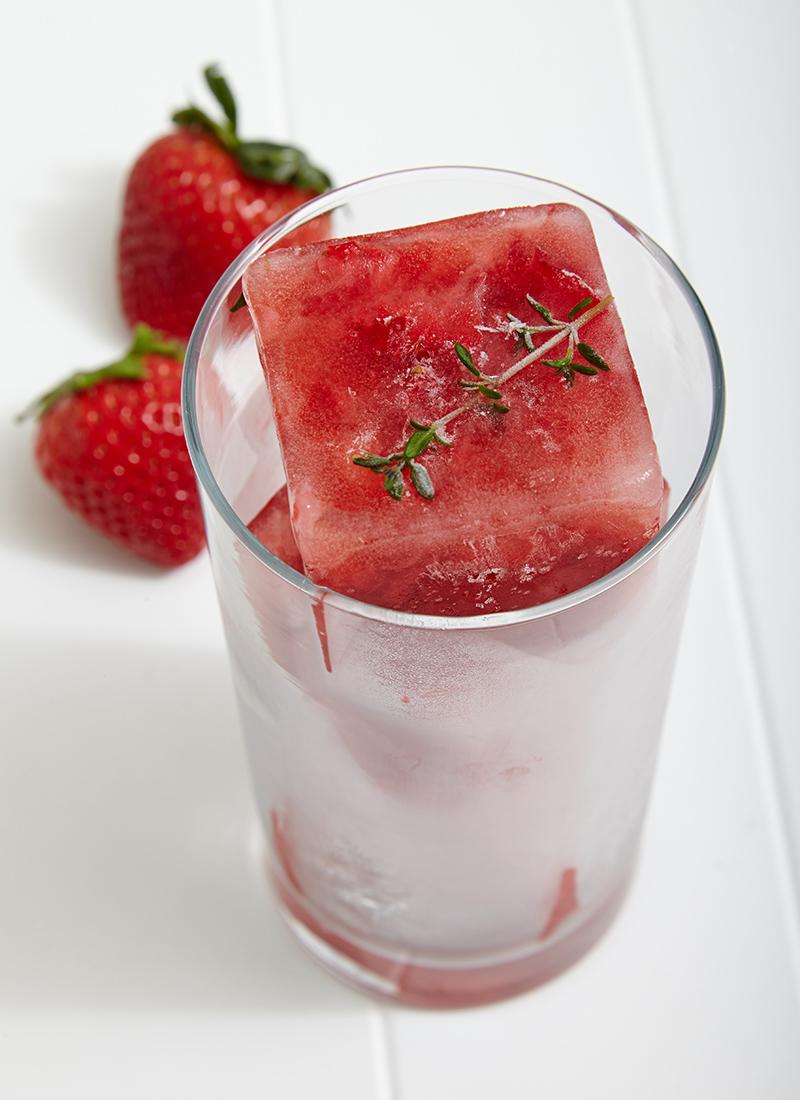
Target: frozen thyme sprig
(393, 466)
(567, 366)
(486, 388)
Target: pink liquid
(385, 835)
(436, 987)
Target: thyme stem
(566, 330)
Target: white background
(140, 955)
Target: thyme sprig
(566, 366)
(392, 466)
(487, 388)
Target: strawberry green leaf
(146, 341)
(311, 178)
(221, 91)
(267, 161)
(131, 367)
(195, 119)
(193, 116)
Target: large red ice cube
(357, 335)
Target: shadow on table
(71, 245)
(128, 859)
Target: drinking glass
(452, 806)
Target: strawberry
(194, 199)
(111, 443)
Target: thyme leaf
(593, 357)
(393, 483)
(542, 310)
(579, 307)
(421, 480)
(465, 355)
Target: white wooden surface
(139, 952)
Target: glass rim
(327, 202)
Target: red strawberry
(194, 199)
(111, 444)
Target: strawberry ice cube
(545, 482)
(272, 527)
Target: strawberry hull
(194, 199)
(356, 337)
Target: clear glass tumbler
(452, 806)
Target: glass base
(423, 986)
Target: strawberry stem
(260, 160)
(146, 341)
